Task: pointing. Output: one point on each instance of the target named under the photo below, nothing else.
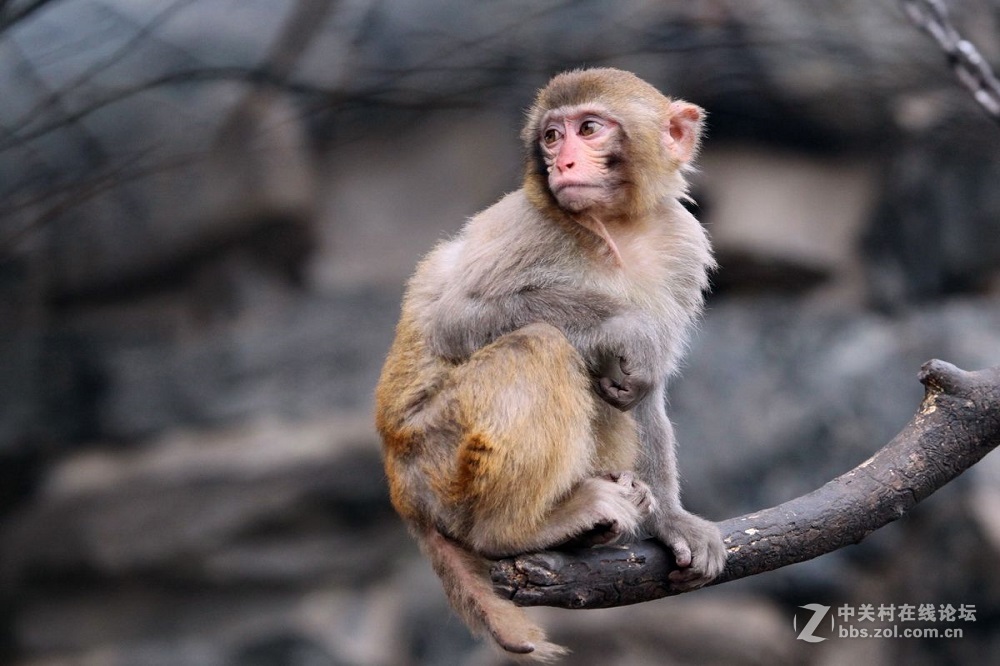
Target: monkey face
(602, 143)
(578, 146)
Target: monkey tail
(466, 580)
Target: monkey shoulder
(506, 248)
(691, 260)
(513, 224)
(471, 288)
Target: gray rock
(779, 397)
(267, 503)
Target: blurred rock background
(208, 210)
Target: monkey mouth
(577, 195)
(562, 188)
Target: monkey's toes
(599, 535)
(623, 478)
(637, 491)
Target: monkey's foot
(637, 491)
(610, 529)
(599, 535)
(698, 549)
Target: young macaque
(522, 405)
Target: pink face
(577, 146)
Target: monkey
(522, 404)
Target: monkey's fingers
(692, 575)
(618, 395)
(702, 561)
(686, 579)
(682, 555)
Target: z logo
(819, 612)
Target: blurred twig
(11, 15)
(969, 65)
(54, 101)
(58, 199)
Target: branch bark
(957, 424)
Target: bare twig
(63, 197)
(55, 99)
(957, 424)
(10, 17)
(971, 68)
(302, 26)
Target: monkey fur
(522, 405)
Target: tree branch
(957, 424)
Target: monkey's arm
(957, 424)
(696, 543)
(466, 319)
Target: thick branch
(957, 424)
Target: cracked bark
(957, 423)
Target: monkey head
(605, 143)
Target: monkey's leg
(524, 473)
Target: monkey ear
(683, 130)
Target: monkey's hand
(620, 383)
(620, 508)
(697, 545)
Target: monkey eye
(550, 136)
(589, 127)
